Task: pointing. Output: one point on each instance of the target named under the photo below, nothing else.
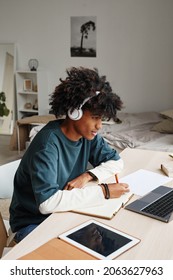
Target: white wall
(134, 44)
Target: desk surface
(155, 236)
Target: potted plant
(4, 111)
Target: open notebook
(108, 209)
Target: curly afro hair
(80, 84)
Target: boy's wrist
(103, 190)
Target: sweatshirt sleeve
(67, 200)
(107, 169)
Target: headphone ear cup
(75, 115)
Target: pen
(116, 178)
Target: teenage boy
(53, 171)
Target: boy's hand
(118, 189)
(79, 181)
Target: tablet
(99, 240)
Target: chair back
(3, 234)
(7, 172)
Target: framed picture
(83, 36)
(27, 85)
(99, 240)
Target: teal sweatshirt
(51, 161)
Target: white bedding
(135, 132)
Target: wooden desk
(155, 236)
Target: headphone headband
(88, 98)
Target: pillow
(165, 126)
(167, 114)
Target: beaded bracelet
(107, 196)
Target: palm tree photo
(83, 36)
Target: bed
(146, 130)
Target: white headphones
(77, 114)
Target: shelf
(35, 95)
(26, 72)
(28, 92)
(28, 110)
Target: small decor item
(27, 85)
(33, 64)
(28, 105)
(35, 106)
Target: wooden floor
(6, 155)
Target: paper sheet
(143, 181)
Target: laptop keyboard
(161, 207)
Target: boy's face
(88, 126)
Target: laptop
(157, 204)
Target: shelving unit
(31, 90)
